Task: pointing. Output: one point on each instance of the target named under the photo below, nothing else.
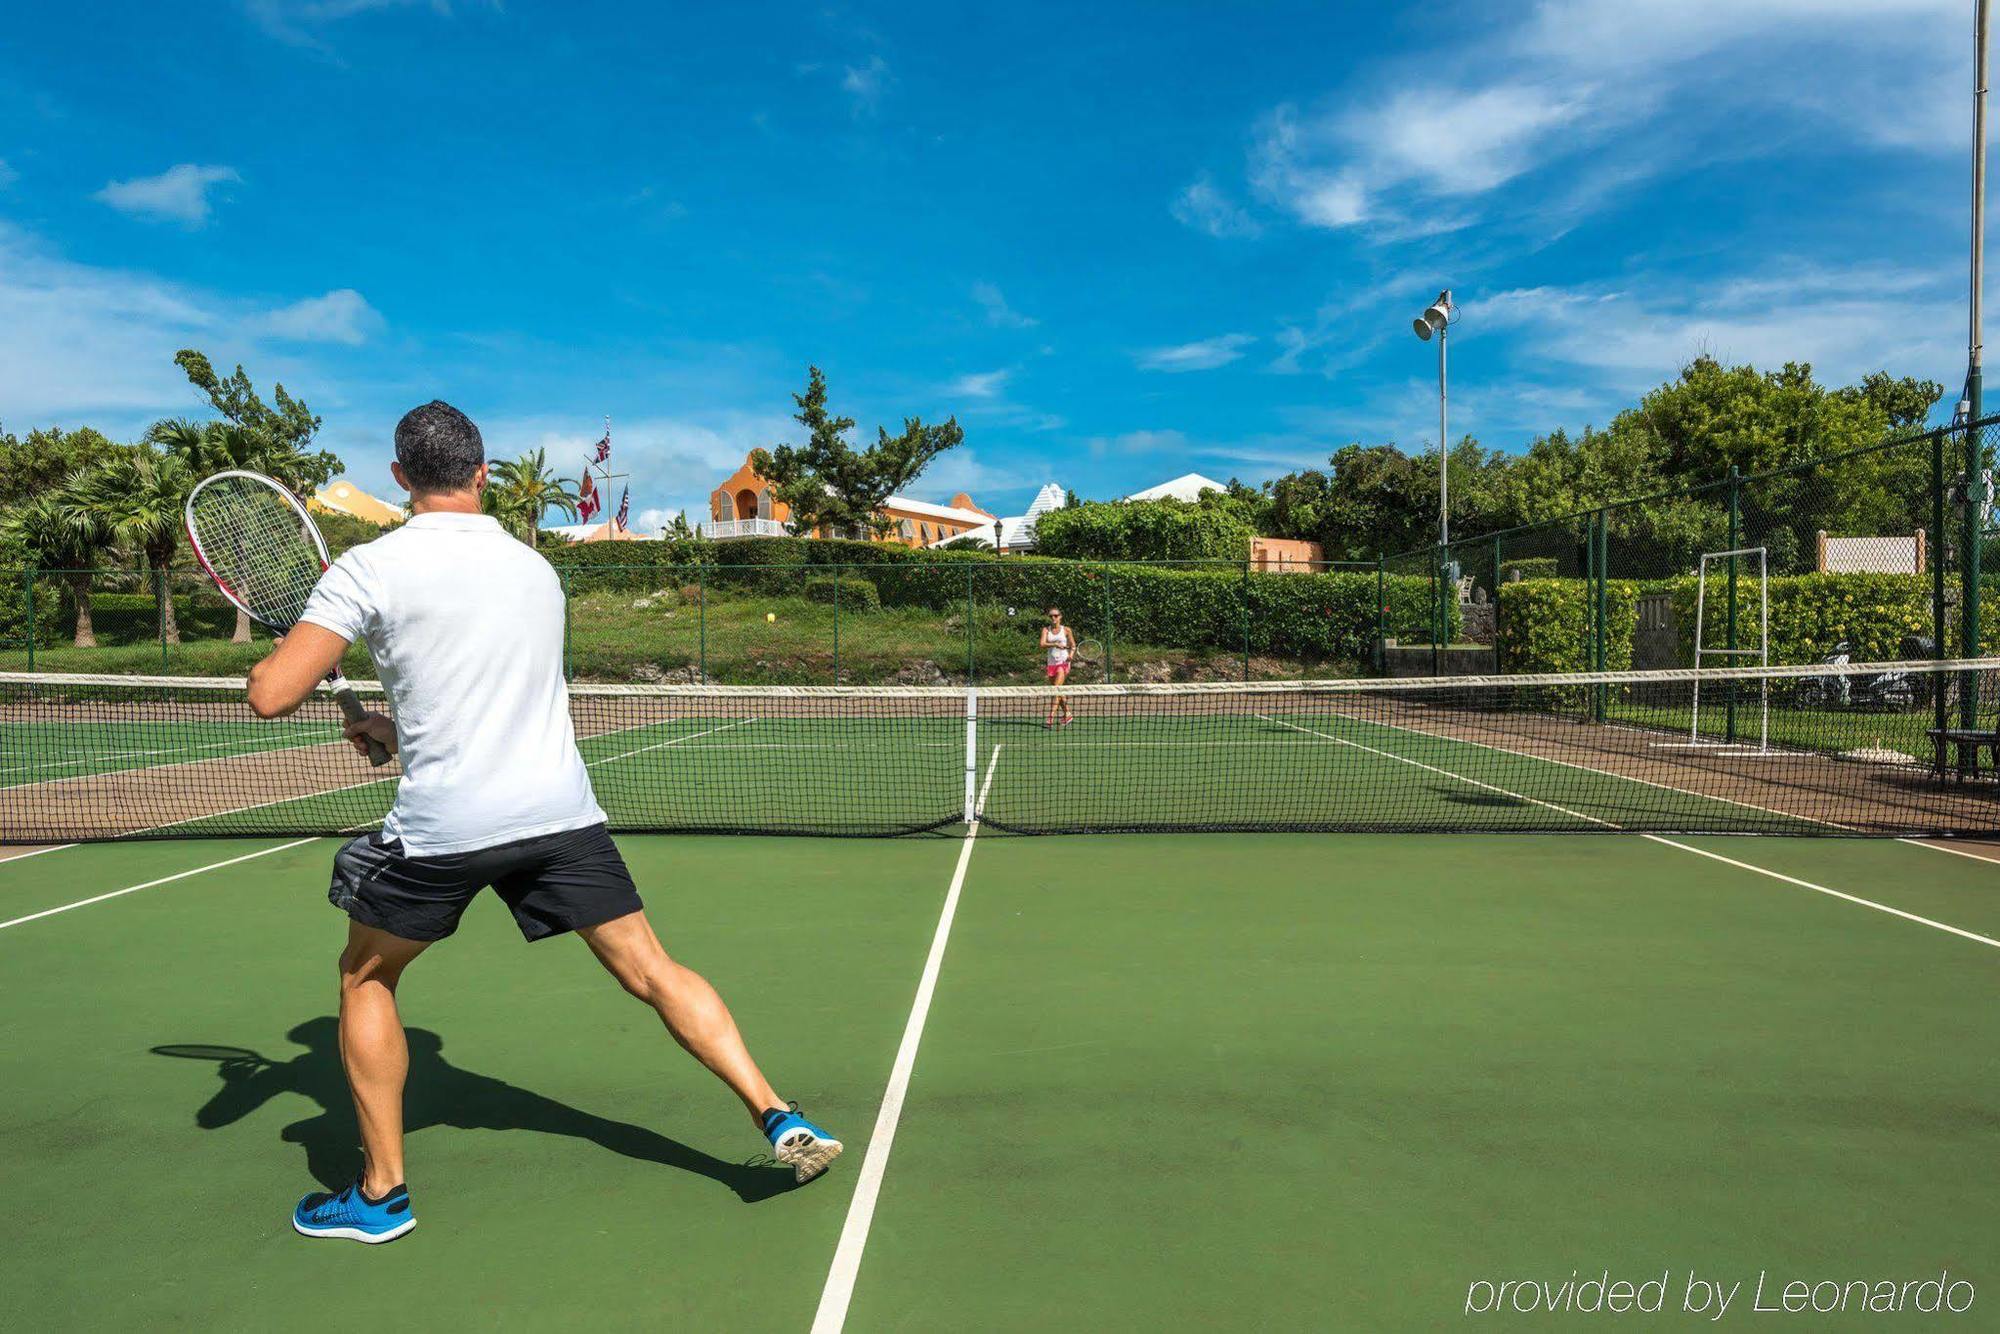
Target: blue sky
(1120, 243)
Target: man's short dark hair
(439, 447)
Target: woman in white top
(1060, 641)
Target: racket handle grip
(350, 708)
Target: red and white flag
(587, 503)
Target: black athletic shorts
(552, 884)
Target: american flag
(624, 506)
(587, 503)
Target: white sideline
(839, 1289)
(165, 879)
(1836, 893)
(1668, 842)
(1935, 846)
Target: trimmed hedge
(1528, 567)
(1544, 625)
(850, 593)
(1312, 616)
(1126, 530)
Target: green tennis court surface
(1197, 1081)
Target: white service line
(1822, 889)
(165, 879)
(23, 856)
(1946, 847)
(839, 1289)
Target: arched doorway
(746, 502)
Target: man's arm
(290, 673)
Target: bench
(1963, 745)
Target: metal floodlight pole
(1437, 319)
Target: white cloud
(342, 316)
(1207, 209)
(1612, 92)
(998, 312)
(983, 384)
(865, 83)
(1846, 322)
(1204, 355)
(656, 520)
(7, 174)
(77, 339)
(178, 194)
(296, 21)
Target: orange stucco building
(744, 506)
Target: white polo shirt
(466, 627)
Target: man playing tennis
(466, 627)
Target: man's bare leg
(685, 1002)
(373, 1050)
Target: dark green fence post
(970, 673)
(1381, 613)
(1438, 557)
(837, 576)
(1603, 648)
(569, 672)
(1496, 604)
(32, 633)
(1940, 711)
(701, 621)
(1729, 635)
(1244, 593)
(162, 591)
(1110, 624)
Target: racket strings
(259, 544)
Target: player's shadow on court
(438, 1094)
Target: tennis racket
(1088, 654)
(256, 541)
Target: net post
(30, 575)
(1940, 709)
(971, 755)
(1729, 633)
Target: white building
(1016, 532)
(1187, 487)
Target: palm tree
(66, 541)
(138, 495)
(522, 490)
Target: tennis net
(1797, 750)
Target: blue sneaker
(354, 1216)
(799, 1144)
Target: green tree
(520, 491)
(1143, 530)
(281, 430)
(138, 495)
(63, 538)
(829, 484)
(45, 459)
(680, 530)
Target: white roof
(1187, 487)
(1017, 531)
(927, 510)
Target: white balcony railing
(722, 530)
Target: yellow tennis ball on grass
(770, 617)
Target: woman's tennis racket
(1089, 655)
(256, 541)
